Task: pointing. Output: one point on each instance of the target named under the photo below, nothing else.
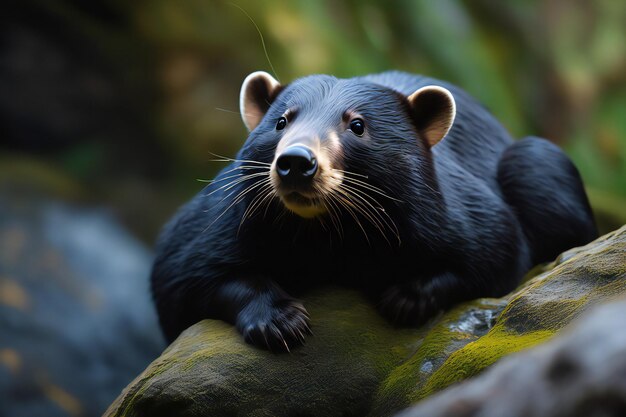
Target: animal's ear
(258, 91)
(433, 111)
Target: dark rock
(76, 320)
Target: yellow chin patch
(308, 212)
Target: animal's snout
(296, 166)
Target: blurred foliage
(552, 68)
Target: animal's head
(336, 143)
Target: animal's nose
(296, 166)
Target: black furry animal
(348, 181)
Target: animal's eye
(357, 127)
(282, 122)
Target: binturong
(398, 185)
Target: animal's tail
(545, 189)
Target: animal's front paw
(409, 304)
(278, 327)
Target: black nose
(296, 166)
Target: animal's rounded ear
(433, 111)
(258, 91)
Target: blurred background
(109, 109)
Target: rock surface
(76, 320)
(581, 373)
(356, 364)
(209, 370)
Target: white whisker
(376, 210)
(235, 201)
(369, 187)
(227, 159)
(365, 212)
(262, 193)
(229, 185)
(346, 203)
(349, 173)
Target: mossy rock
(580, 373)
(209, 370)
(356, 364)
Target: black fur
(544, 188)
(474, 213)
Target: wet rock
(76, 320)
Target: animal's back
(533, 176)
(476, 140)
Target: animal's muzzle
(296, 166)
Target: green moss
(444, 338)
(405, 378)
(140, 385)
(178, 358)
(476, 356)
